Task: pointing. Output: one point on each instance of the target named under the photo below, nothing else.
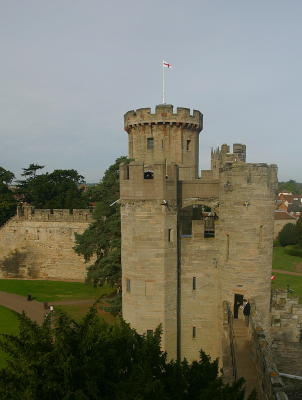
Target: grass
(9, 324)
(284, 261)
(295, 282)
(53, 290)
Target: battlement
(164, 115)
(244, 175)
(30, 213)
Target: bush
(294, 251)
(288, 235)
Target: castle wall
(149, 270)
(39, 244)
(200, 307)
(149, 256)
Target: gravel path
(281, 271)
(34, 309)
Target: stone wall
(286, 314)
(271, 385)
(38, 244)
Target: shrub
(294, 251)
(288, 235)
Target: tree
(58, 189)
(64, 359)
(7, 200)
(101, 242)
(290, 186)
(102, 239)
(31, 170)
(289, 234)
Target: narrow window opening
(150, 143)
(227, 247)
(169, 235)
(148, 175)
(127, 172)
(194, 332)
(162, 144)
(260, 235)
(188, 145)
(149, 332)
(209, 227)
(194, 283)
(128, 285)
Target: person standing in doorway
(246, 311)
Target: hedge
(293, 251)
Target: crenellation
(163, 115)
(56, 215)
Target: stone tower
(191, 242)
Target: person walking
(246, 311)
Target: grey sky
(70, 69)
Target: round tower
(165, 137)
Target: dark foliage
(58, 189)
(291, 234)
(101, 242)
(290, 186)
(7, 200)
(63, 359)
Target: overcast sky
(70, 69)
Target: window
(227, 247)
(148, 175)
(150, 143)
(169, 235)
(194, 283)
(260, 236)
(188, 145)
(194, 332)
(149, 332)
(127, 172)
(209, 227)
(128, 285)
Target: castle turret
(165, 137)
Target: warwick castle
(194, 245)
(190, 241)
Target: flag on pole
(166, 64)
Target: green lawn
(294, 282)
(53, 291)
(284, 261)
(8, 324)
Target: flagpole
(163, 82)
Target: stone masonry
(39, 244)
(191, 241)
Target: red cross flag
(166, 64)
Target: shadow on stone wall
(13, 264)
